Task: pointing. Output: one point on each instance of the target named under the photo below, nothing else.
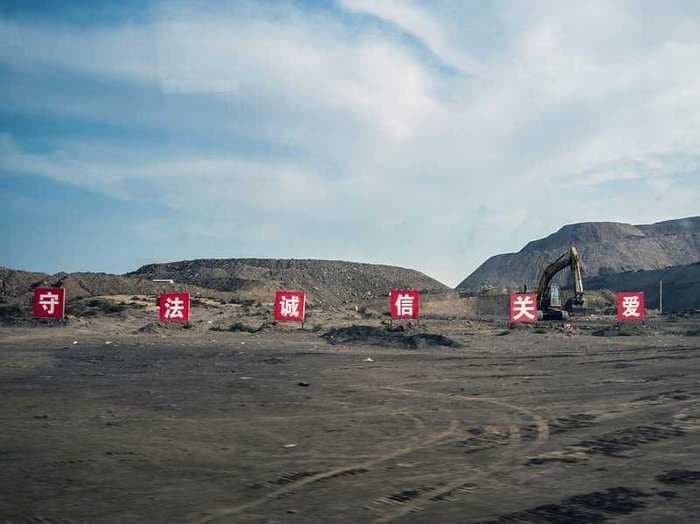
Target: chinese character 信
(404, 305)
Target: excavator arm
(569, 259)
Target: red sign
(290, 306)
(630, 305)
(404, 304)
(49, 302)
(174, 307)
(523, 307)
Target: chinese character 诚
(289, 306)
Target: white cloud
(418, 23)
(123, 51)
(415, 164)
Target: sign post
(404, 304)
(49, 302)
(523, 308)
(630, 306)
(174, 307)
(290, 306)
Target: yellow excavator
(548, 295)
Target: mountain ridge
(605, 247)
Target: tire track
(339, 471)
(540, 423)
(415, 503)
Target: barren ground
(198, 426)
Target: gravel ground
(533, 426)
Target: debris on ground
(567, 329)
(241, 327)
(379, 336)
(623, 330)
(368, 359)
(303, 384)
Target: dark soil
(590, 508)
(679, 476)
(243, 328)
(381, 336)
(623, 330)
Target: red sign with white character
(49, 302)
(175, 307)
(523, 307)
(290, 306)
(404, 304)
(630, 305)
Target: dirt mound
(605, 247)
(326, 281)
(377, 336)
(17, 286)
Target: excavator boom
(569, 259)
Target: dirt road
(282, 427)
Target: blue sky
(429, 135)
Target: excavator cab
(549, 295)
(554, 296)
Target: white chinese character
(631, 306)
(48, 301)
(174, 308)
(524, 306)
(289, 306)
(404, 305)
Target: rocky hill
(605, 247)
(327, 281)
(15, 283)
(681, 286)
